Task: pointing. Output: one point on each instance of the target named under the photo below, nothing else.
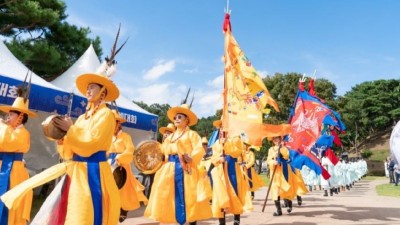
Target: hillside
(381, 142)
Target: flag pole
(272, 179)
(269, 188)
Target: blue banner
(55, 101)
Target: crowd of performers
(343, 175)
(199, 178)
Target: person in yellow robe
(173, 197)
(249, 159)
(14, 143)
(121, 154)
(231, 192)
(92, 194)
(148, 178)
(89, 195)
(166, 131)
(204, 184)
(281, 174)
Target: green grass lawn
(380, 155)
(375, 178)
(388, 190)
(265, 178)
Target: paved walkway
(360, 205)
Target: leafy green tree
(40, 38)
(29, 16)
(370, 107)
(158, 109)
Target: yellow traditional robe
(301, 188)
(224, 195)
(281, 187)
(131, 194)
(17, 141)
(249, 160)
(85, 138)
(204, 189)
(161, 206)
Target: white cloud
(161, 68)
(194, 70)
(207, 103)
(217, 82)
(263, 73)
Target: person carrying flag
(231, 193)
(281, 175)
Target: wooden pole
(269, 188)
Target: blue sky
(177, 44)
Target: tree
(370, 107)
(29, 16)
(158, 109)
(40, 38)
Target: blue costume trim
(232, 171)
(8, 159)
(250, 176)
(94, 180)
(180, 209)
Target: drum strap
(112, 156)
(180, 209)
(7, 159)
(93, 170)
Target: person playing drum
(14, 142)
(90, 196)
(173, 197)
(121, 154)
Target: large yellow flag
(245, 95)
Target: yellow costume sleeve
(284, 152)
(234, 147)
(64, 153)
(198, 150)
(126, 156)
(217, 153)
(271, 156)
(88, 136)
(11, 140)
(250, 159)
(273, 153)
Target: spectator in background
(386, 163)
(391, 170)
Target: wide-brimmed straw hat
(20, 106)
(217, 123)
(82, 82)
(117, 116)
(170, 127)
(103, 74)
(182, 109)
